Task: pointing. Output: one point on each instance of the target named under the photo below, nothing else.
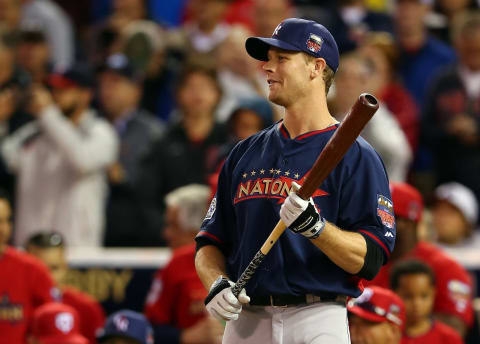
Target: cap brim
(257, 47)
(106, 335)
(73, 339)
(362, 313)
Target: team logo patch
(459, 292)
(314, 43)
(211, 209)
(121, 322)
(64, 322)
(275, 32)
(385, 211)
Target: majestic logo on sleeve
(9, 311)
(211, 209)
(314, 43)
(269, 183)
(385, 211)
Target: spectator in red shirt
(49, 247)
(25, 284)
(55, 323)
(453, 299)
(376, 317)
(414, 282)
(174, 305)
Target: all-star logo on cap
(121, 322)
(314, 43)
(64, 322)
(275, 32)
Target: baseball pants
(317, 323)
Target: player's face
(5, 222)
(288, 76)
(418, 293)
(449, 223)
(246, 123)
(368, 332)
(54, 259)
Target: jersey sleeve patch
(211, 209)
(385, 211)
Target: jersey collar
(285, 134)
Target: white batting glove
(301, 216)
(221, 303)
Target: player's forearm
(210, 263)
(346, 249)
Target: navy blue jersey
(255, 180)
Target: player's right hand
(221, 303)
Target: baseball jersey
(176, 295)
(92, 316)
(439, 333)
(453, 283)
(253, 183)
(25, 284)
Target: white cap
(461, 197)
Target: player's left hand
(301, 216)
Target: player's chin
(276, 99)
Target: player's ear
(319, 66)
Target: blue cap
(297, 35)
(127, 324)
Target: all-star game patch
(385, 211)
(314, 43)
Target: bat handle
(248, 273)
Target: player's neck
(303, 118)
(419, 328)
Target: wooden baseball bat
(347, 132)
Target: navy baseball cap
(297, 35)
(120, 64)
(127, 324)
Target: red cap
(407, 201)
(378, 304)
(57, 323)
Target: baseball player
(174, 304)
(376, 317)
(25, 284)
(346, 231)
(453, 298)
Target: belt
(292, 300)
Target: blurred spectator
(351, 20)
(383, 131)
(119, 94)
(126, 327)
(57, 27)
(55, 323)
(10, 13)
(414, 282)
(455, 216)
(25, 283)
(421, 54)
(175, 302)
(49, 247)
(453, 298)
(440, 21)
(250, 116)
(199, 38)
(106, 38)
(451, 123)
(13, 95)
(268, 13)
(33, 55)
(380, 48)
(187, 152)
(60, 160)
(376, 317)
(239, 74)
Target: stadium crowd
(116, 117)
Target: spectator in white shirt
(60, 160)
